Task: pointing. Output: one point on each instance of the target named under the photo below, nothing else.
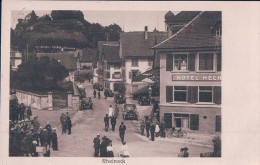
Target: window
(134, 62)
(150, 62)
(181, 121)
(180, 93)
(180, 62)
(135, 73)
(206, 61)
(205, 94)
(116, 75)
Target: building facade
(15, 59)
(190, 75)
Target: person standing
(29, 112)
(142, 126)
(116, 111)
(96, 142)
(94, 93)
(122, 129)
(63, 123)
(162, 129)
(46, 150)
(147, 126)
(99, 94)
(42, 136)
(103, 148)
(110, 152)
(113, 123)
(110, 111)
(181, 153)
(106, 120)
(69, 125)
(124, 150)
(152, 131)
(185, 152)
(157, 129)
(54, 139)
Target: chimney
(146, 32)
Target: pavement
(87, 124)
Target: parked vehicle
(86, 103)
(130, 112)
(98, 87)
(119, 98)
(108, 93)
(144, 100)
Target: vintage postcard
(129, 82)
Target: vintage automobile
(108, 93)
(144, 100)
(86, 103)
(130, 112)
(98, 87)
(119, 98)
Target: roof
(196, 34)
(89, 55)
(67, 59)
(134, 44)
(111, 53)
(183, 16)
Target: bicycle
(179, 133)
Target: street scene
(82, 89)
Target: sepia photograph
(107, 82)
(114, 90)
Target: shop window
(181, 121)
(134, 62)
(206, 61)
(180, 93)
(205, 94)
(180, 62)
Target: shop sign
(196, 77)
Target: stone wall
(31, 99)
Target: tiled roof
(110, 52)
(134, 44)
(196, 34)
(66, 59)
(89, 55)
(182, 16)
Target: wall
(142, 67)
(31, 99)
(205, 125)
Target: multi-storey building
(109, 65)
(190, 75)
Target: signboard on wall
(196, 77)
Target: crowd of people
(19, 111)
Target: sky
(127, 20)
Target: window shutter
(218, 123)
(192, 94)
(130, 75)
(219, 62)
(169, 62)
(169, 93)
(194, 122)
(191, 62)
(168, 120)
(217, 95)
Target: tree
(113, 31)
(33, 18)
(67, 14)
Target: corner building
(190, 75)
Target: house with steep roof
(67, 59)
(190, 75)
(136, 54)
(86, 58)
(109, 65)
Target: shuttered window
(205, 94)
(217, 95)
(169, 93)
(180, 93)
(191, 62)
(194, 122)
(169, 62)
(168, 120)
(192, 94)
(218, 123)
(206, 61)
(219, 62)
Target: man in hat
(122, 129)
(96, 142)
(152, 131)
(54, 139)
(142, 126)
(147, 126)
(69, 125)
(103, 147)
(99, 96)
(106, 120)
(113, 123)
(116, 111)
(94, 93)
